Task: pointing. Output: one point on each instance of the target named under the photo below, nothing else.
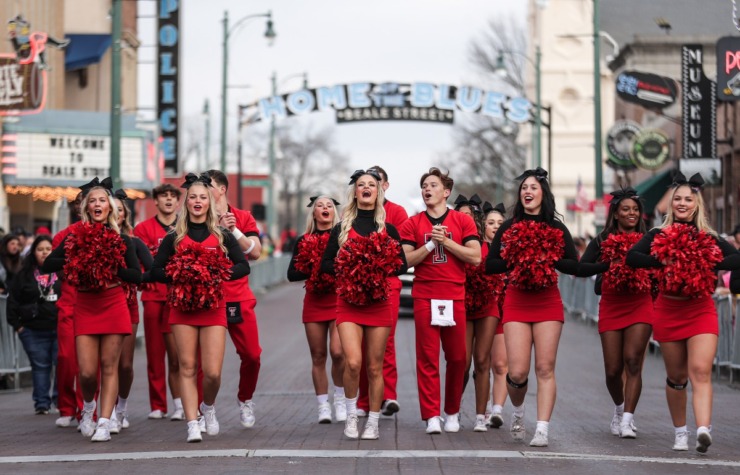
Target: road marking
(393, 454)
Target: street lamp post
(501, 69)
(598, 183)
(115, 96)
(269, 34)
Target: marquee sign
(648, 90)
(168, 74)
(421, 101)
(728, 68)
(699, 112)
(22, 87)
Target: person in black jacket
(32, 312)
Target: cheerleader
(438, 243)
(363, 305)
(97, 258)
(493, 219)
(319, 306)
(126, 363)
(687, 253)
(625, 308)
(194, 258)
(530, 247)
(481, 312)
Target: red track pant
(428, 339)
(246, 340)
(70, 394)
(156, 368)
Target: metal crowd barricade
(578, 297)
(735, 356)
(13, 358)
(723, 303)
(268, 272)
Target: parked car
(406, 309)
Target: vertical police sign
(699, 114)
(168, 40)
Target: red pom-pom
(94, 255)
(363, 265)
(531, 250)
(689, 256)
(308, 261)
(197, 274)
(481, 288)
(621, 277)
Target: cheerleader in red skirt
(96, 258)
(126, 363)
(319, 306)
(687, 254)
(625, 308)
(481, 312)
(363, 251)
(196, 259)
(530, 247)
(493, 218)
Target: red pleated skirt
(533, 306)
(490, 309)
(677, 320)
(200, 318)
(618, 311)
(319, 307)
(375, 315)
(102, 313)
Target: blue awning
(84, 50)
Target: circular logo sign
(650, 149)
(619, 143)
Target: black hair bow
(106, 183)
(120, 194)
(696, 182)
(500, 208)
(358, 173)
(619, 195)
(474, 202)
(539, 173)
(312, 199)
(192, 178)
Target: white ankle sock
(322, 398)
(338, 392)
(619, 410)
(102, 420)
(88, 406)
(627, 418)
(205, 407)
(543, 426)
(519, 410)
(351, 406)
(497, 409)
(703, 429)
(178, 403)
(372, 418)
(122, 404)
(679, 429)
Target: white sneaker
(371, 432)
(178, 414)
(324, 413)
(682, 441)
(122, 417)
(246, 414)
(434, 425)
(517, 430)
(626, 432)
(616, 422)
(703, 440)
(350, 427)
(452, 422)
(340, 408)
(539, 439)
(102, 432)
(157, 414)
(361, 412)
(64, 421)
(202, 424)
(633, 426)
(87, 425)
(390, 407)
(114, 426)
(194, 434)
(209, 416)
(496, 420)
(480, 424)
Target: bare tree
(486, 157)
(310, 163)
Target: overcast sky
(334, 42)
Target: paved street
(287, 438)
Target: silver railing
(13, 359)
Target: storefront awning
(653, 189)
(84, 50)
